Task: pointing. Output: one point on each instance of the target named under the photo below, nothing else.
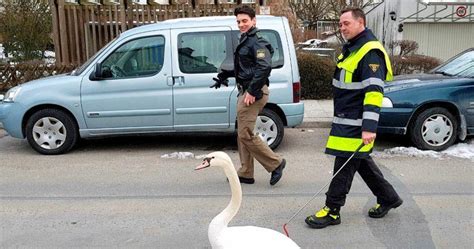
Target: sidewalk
(317, 114)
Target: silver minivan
(151, 79)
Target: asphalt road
(120, 193)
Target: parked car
(155, 78)
(433, 109)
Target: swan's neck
(221, 221)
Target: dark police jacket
(358, 86)
(252, 63)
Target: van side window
(135, 58)
(204, 52)
(274, 39)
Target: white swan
(238, 237)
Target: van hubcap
(266, 129)
(49, 133)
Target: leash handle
(285, 229)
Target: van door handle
(169, 81)
(178, 80)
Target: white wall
(440, 40)
(437, 29)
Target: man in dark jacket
(358, 84)
(252, 67)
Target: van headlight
(11, 94)
(387, 103)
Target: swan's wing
(250, 237)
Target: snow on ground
(461, 150)
(182, 155)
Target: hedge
(316, 76)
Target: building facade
(442, 28)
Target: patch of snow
(462, 150)
(179, 155)
(49, 56)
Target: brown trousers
(250, 145)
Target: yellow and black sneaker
(379, 211)
(324, 217)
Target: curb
(315, 124)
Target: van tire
(270, 128)
(51, 132)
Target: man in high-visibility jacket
(358, 84)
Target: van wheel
(269, 127)
(434, 129)
(51, 132)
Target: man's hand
(219, 82)
(368, 137)
(249, 99)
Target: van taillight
(296, 92)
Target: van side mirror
(1, 97)
(97, 73)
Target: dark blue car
(434, 109)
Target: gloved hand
(220, 82)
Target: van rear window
(274, 39)
(206, 52)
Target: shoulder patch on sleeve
(260, 53)
(374, 67)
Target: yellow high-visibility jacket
(358, 85)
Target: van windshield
(80, 69)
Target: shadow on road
(391, 230)
(203, 141)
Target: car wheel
(434, 129)
(269, 127)
(51, 132)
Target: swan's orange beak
(206, 162)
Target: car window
(135, 58)
(462, 65)
(274, 39)
(204, 52)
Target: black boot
(324, 217)
(379, 211)
(277, 173)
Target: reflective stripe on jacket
(356, 104)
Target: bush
(316, 76)
(405, 47)
(413, 64)
(407, 61)
(25, 26)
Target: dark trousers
(370, 173)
